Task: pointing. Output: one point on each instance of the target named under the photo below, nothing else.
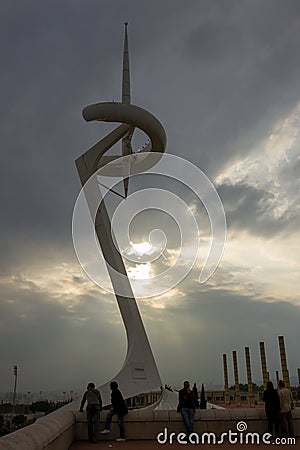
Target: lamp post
(15, 387)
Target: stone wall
(58, 430)
(55, 431)
(147, 424)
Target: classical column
(226, 386)
(277, 378)
(265, 373)
(285, 372)
(249, 378)
(236, 379)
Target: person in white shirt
(94, 407)
(286, 407)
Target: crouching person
(119, 407)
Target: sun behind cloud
(142, 248)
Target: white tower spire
(126, 97)
(126, 71)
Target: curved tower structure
(139, 373)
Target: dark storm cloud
(242, 65)
(218, 76)
(254, 210)
(57, 58)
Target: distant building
(218, 396)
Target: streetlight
(15, 387)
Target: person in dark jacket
(94, 407)
(272, 408)
(119, 407)
(186, 406)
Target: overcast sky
(224, 79)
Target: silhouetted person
(119, 407)
(168, 387)
(94, 407)
(186, 407)
(286, 407)
(272, 408)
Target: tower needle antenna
(126, 98)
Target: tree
(19, 420)
(202, 398)
(40, 406)
(3, 431)
(196, 397)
